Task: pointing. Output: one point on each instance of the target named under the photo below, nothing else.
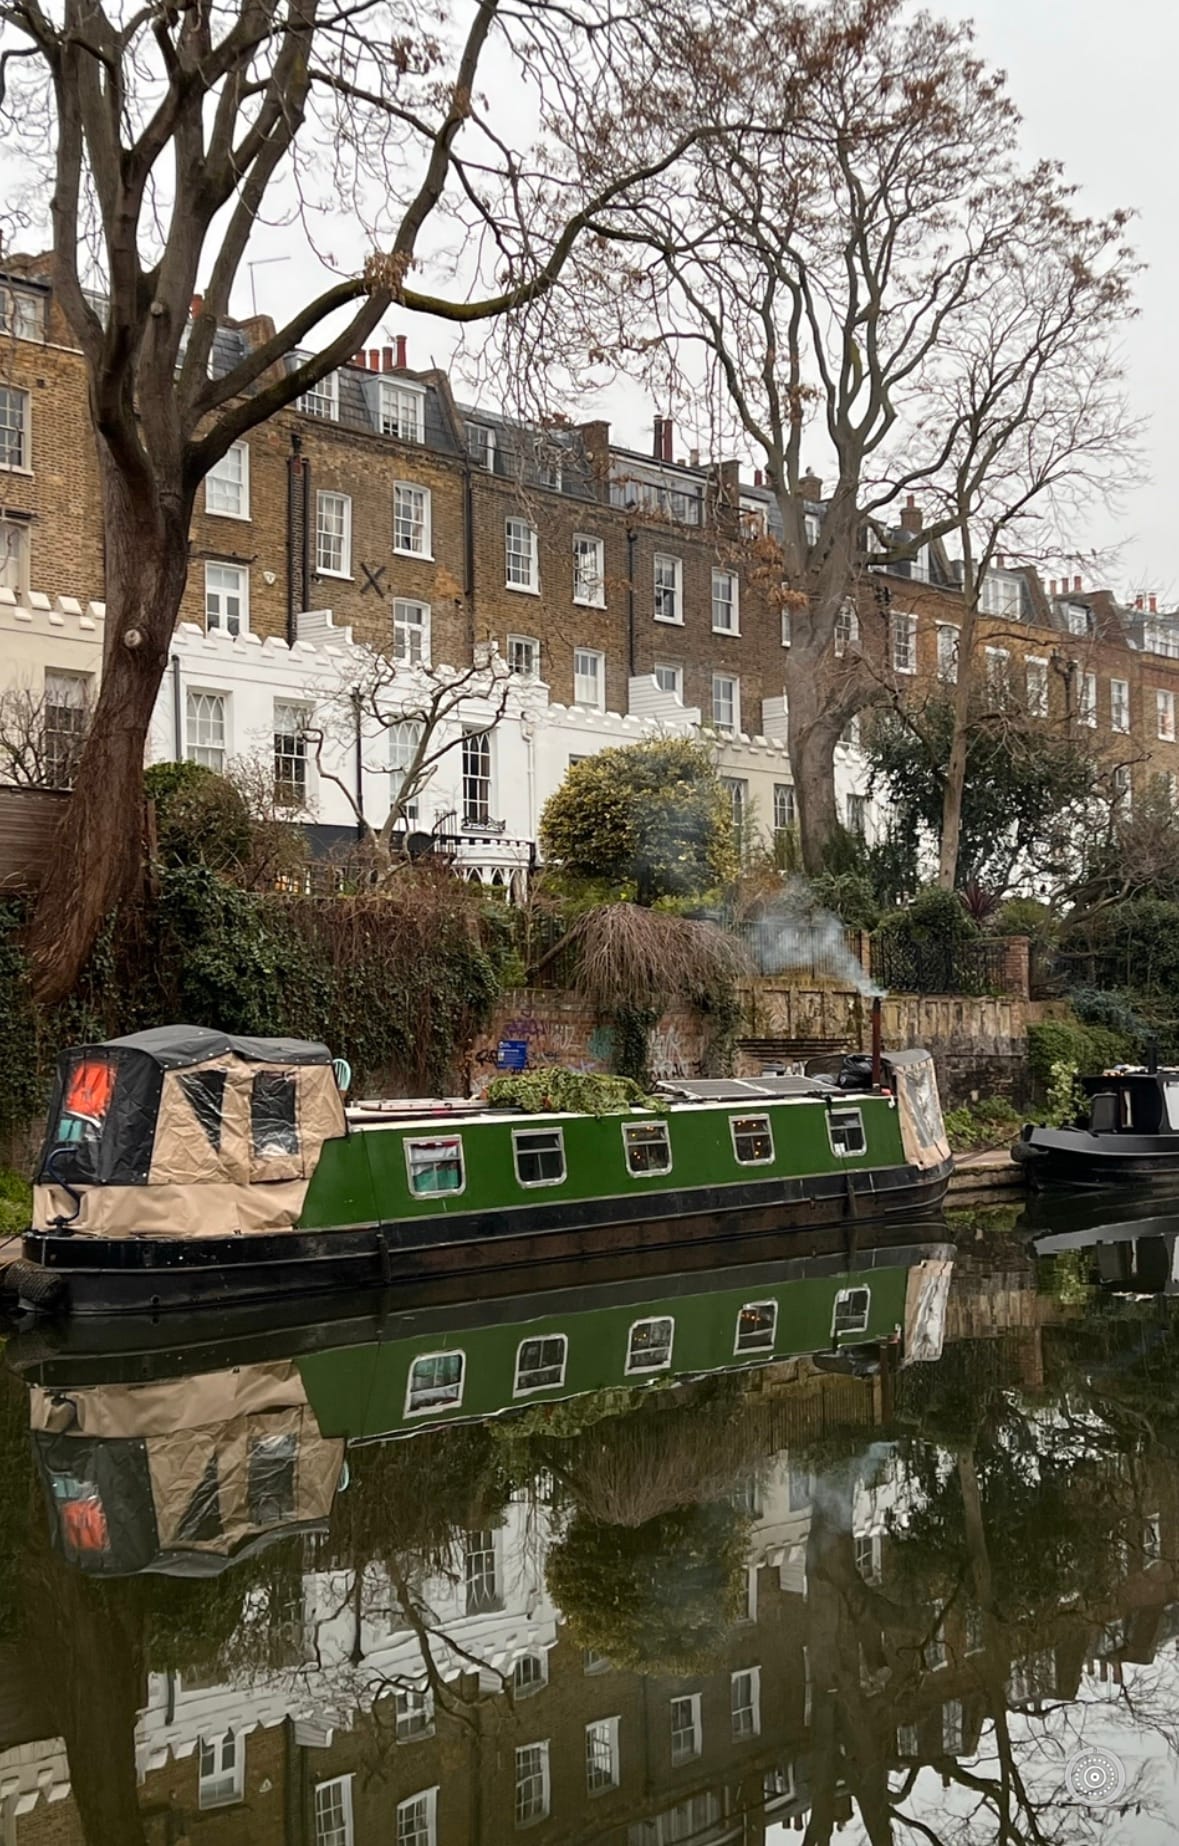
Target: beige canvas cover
(198, 1187)
(119, 1410)
(927, 1295)
(923, 1132)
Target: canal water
(869, 1535)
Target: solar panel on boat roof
(734, 1089)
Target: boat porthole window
(852, 1306)
(274, 1127)
(649, 1347)
(540, 1362)
(757, 1325)
(435, 1382)
(435, 1165)
(648, 1149)
(846, 1129)
(539, 1155)
(753, 1139)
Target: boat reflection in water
(1122, 1243)
(659, 1559)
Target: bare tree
(42, 739)
(403, 721)
(166, 132)
(821, 287)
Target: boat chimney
(877, 1042)
(1152, 1053)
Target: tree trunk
(947, 870)
(814, 732)
(97, 854)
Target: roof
(172, 1047)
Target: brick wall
(559, 1029)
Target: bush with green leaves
(933, 915)
(582, 1092)
(201, 819)
(650, 820)
(1025, 916)
(1056, 1045)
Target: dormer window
(403, 410)
(919, 565)
(22, 313)
(998, 595)
(1076, 617)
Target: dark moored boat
(183, 1168)
(1128, 1133)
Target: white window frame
(323, 498)
(953, 1728)
(1077, 619)
(326, 392)
(239, 482)
(1087, 701)
(404, 738)
(17, 424)
(785, 799)
(903, 641)
(419, 1141)
(581, 678)
(531, 673)
(1164, 707)
(767, 1128)
(400, 394)
(692, 1751)
(763, 1345)
(842, 1297)
(1123, 789)
(1119, 707)
(673, 671)
(301, 714)
(422, 1358)
(541, 1811)
(520, 1389)
(517, 529)
(406, 629)
(787, 628)
(631, 1369)
(14, 556)
(478, 783)
(414, 1709)
(731, 728)
(731, 606)
(948, 637)
(592, 593)
(602, 1730)
(192, 748)
(874, 1555)
(847, 1114)
(531, 1184)
(483, 455)
(998, 671)
(66, 704)
(341, 1835)
(653, 1130)
(425, 505)
(541, 1680)
(22, 313)
(221, 1788)
(673, 589)
(403, 1836)
(847, 629)
(1037, 685)
(242, 573)
(753, 1675)
(488, 1603)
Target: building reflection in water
(660, 1559)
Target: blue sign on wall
(512, 1054)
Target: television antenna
(260, 262)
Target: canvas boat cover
(923, 1133)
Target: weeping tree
(164, 135)
(883, 285)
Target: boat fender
(37, 1289)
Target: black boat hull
(1077, 1157)
(60, 1274)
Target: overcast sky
(1095, 83)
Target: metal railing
(938, 965)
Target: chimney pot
(668, 439)
(374, 358)
(911, 516)
(386, 358)
(758, 478)
(657, 444)
(1154, 605)
(399, 345)
(694, 458)
(1052, 586)
(1076, 586)
(1139, 602)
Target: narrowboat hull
(1079, 1157)
(93, 1275)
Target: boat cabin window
(757, 1324)
(435, 1382)
(648, 1149)
(1103, 1112)
(753, 1139)
(851, 1311)
(270, 1479)
(273, 1123)
(649, 1346)
(435, 1165)
(204, 1092)
(541, 1362)
(540, 1156)
(1171, 1092)
(846, 1129)
(201, 1520)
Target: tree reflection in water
(898, 1602)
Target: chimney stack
(668, 439)
(1139, 603)
(1076, 586)
(399, 347)
(810, 486)
(912, 518)
(1154, 605)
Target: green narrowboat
(185, 1168)
(184, 1457)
